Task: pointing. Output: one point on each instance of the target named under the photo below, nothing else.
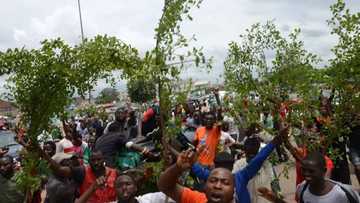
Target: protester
(316, 188)
(341, 171)
(49, 148)
(226, 141)
(85, 176)
(90, 147)
(209, 136)
(263, 177)
(79, 145)
(111, 143)
(9, 193)
(126, 191)
(300, 152)
(65, 145)
(219, 186)
(82, 129)
(61, 189)
(121, 116)
(243, 176)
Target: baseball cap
(60, 156)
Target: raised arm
(269, 195)
(168, 180)
(201, 172)
(87, 194)
(62, 171)
(255, 164)
(293, 150)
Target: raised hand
(269, 195)
(187, 158)
(100, 182)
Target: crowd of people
(100, 162)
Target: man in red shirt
(85, 176)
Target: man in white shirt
(225, 139)
(316, 188)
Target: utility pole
(81, 24)
(82, 37)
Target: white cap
(60, 156)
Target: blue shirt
(242, 177)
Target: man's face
(97, 162)
(121, 115)
(219, 186)
(125, 188)
(6, 166)
(312, 172)
(251, 152)
(91, 142)
(209, 121)
(49, 150)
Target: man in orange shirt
(219, 186)
(209, 136)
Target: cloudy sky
(215, 24)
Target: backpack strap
(349, 196)
(306, 184)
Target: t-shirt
(189, 196)
(210, 138)
(156, 197)
(9, 193)
(336, 195)
(299, 177)
(224, 138)
(79, 150)
(85, 177)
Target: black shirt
(110, 144)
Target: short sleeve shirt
(211, 139)
(189, 196)
(336, 195)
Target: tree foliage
(107, 95)
(270, 67)
(141, 91)
(344, 72)
(43, 80)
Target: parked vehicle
(8, 142)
